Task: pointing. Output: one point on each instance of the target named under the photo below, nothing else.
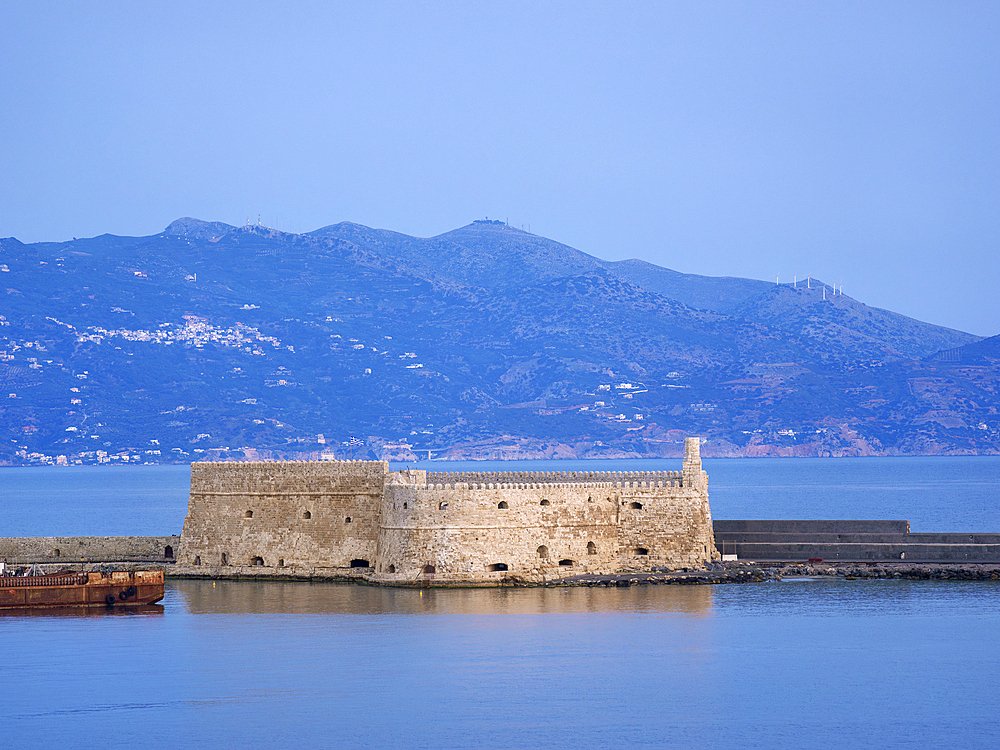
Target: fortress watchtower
(692, 471)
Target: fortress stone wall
(415, 527)
(286, 514)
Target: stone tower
(691, 470)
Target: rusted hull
(118, 589)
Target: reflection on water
(140, 610)
(252, 597)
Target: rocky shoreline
(908, 570)
(751, 572)
(715, 573)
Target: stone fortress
(359, 520)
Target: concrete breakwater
(868, 541)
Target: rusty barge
(71, 588)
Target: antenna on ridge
(808, 282)
(795, 281)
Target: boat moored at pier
(70, 588)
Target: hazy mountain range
(208, 340)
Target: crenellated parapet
(516, 478)
(458, 483)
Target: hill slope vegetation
(208, 340)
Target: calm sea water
(792, 664)
(818, 664)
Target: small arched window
(591, 548)
(248, 514)
(257, 561)
(502, 504)
(543, 552)
(347, 520)
(428, 569)
(442, 506)
(307, 515)
(197, 559)
(225, 559)
(497, 567)
(545, 502)
(636, 506)
(391, 569)
(641, 551)
(566, 563)
(281, 562)
(405, 506)
(168, 552)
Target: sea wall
(849, 541)
(811, 527)
(86, 549)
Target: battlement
(527, 479)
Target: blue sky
(853, 142)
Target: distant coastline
(855, 447)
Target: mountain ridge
(484, 341)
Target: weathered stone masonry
(88, 549)
(415, 527)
